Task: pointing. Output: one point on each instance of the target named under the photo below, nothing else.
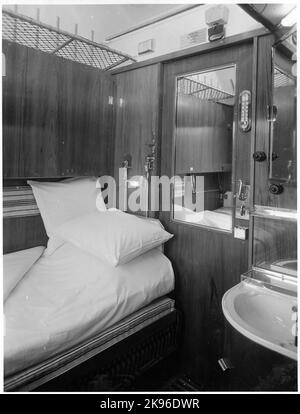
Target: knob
(276, 189)
(259, 156)
(274, 156)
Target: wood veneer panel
(22, 233)
(57, 120)
(203, 138)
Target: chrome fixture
(150, 158)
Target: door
(207, 260)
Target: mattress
(71, 296)
(65, 361)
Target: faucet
(243, 195)
(243, 210)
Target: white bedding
(15, 265)
(70, 296)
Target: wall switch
(241, 233)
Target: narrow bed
(70, 304)
(70, 296)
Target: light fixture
(290, 19)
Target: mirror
(283, 140)
(203, 148)
(275, 245)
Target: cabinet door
(207, 262)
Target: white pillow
(62, 201)
(152, 220)
(15, 265)
(156, 222)
(113, 236)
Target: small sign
(193, 38)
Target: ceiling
(104, 20)
(269, 14)
(107, 20)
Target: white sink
(263, 315)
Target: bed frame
(117, 367)
(114, 369)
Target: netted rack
(34, 34)
(202, 91)
(282, 80)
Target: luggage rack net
(34, 34)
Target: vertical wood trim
(157, 169)
(263, 98)
(159, 116)
(253, 145)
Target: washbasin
(265, 316)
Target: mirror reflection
(203, 148)
(283, 127)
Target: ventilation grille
(28, 32)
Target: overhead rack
(202, 90)
(34, 34)
(281, 79)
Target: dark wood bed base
(116, 368)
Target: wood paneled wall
(203, 135)
(57, 120)
(206, 262)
